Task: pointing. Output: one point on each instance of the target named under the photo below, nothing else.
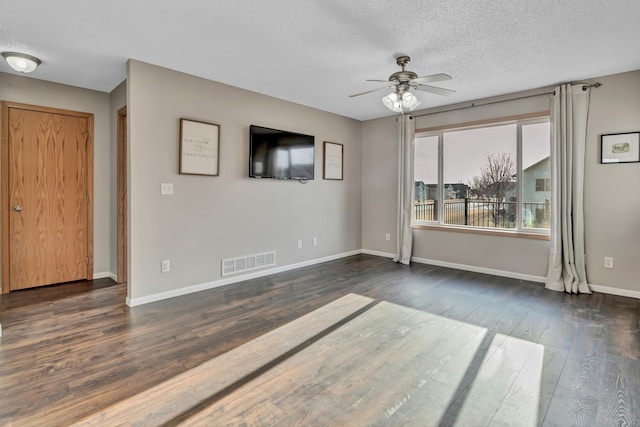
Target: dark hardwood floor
(499, 351)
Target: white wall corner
(378, 253)
(105, 274)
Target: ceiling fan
(402, 81)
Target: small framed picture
(333, 163)
(620, 148)
(199, 148)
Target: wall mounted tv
(280, 154)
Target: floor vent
(249, 262)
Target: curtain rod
(473, 104)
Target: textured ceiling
(317, 52)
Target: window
(426, 192)
(494, 176)
(543, 184)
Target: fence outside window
(484, 213)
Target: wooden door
(48, 197)
(122, 195)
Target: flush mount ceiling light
(401, 102)
(21, 62)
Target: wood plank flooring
(437, 347)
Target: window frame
(519, 230)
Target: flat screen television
(280, 154)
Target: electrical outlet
(608, 262)
(314, 241)
(299, 244)
(166, 189)
(166, 266)
(388, 236)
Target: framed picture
(620, 148)
(199, 148)
(333, 165)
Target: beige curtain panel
(406, 136)
(569, 113)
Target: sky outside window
(466, 151)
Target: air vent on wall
(248, 262)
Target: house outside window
(489, 176)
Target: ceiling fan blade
(435, 90)
(370, 91)
(432, 78)
(380, 81)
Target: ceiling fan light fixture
(393, 102)
(21, 62)
(400, 103)
(410, 101)
(402, 100)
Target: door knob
(17, 208)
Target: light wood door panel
(48, 181)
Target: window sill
(483, 231)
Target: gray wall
(379, 184)
(612, 192)
(211, 218)
(117, 100)
(38, 92)
(612, 197)
(380, 172)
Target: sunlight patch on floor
(509, 380)
(357, 362)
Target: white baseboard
(484, 270)
(540, 279)
(615, 291)
(105, 274)
(464, 267)
(377, 253)
(132, 302)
